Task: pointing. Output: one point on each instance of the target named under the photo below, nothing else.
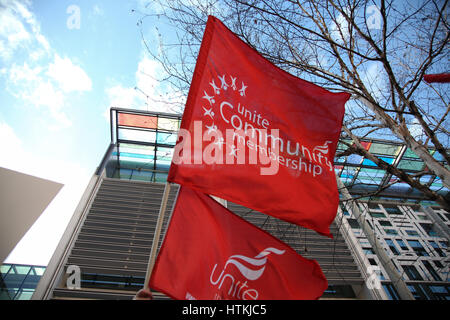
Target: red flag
(211, 253)
(233, 87)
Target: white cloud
(33, 88)
(416, 130)
(374, 79)
(19, 30)
(145, 75)
(45, 78)
(70, 77)
(339, 30)
(148, 94)
(122, 97)
(12, 33)
(19, 74)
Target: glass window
(431, 270)
(437, 249)
(402, 244)
(5, 268)
(354, 159)
(364, 242)
(421, 217)
(410, 154)
(161, 177)
(342, 145)
(391, 231)
(393, 210)
(373, 205)
(22, 270)
(411, 165)
(438, 156)
(136, 163)
(137, 120)
(425, 179)
(378, 215)
(418, 292)
(353, 223)
(163, 158)
(137, 135)
(385, 149)
(369, 163)
(412, 232)
(370, 176)
(412, 273)
(391, 245)
(366, 144)
(138, 157)
(168, 124)
(437, 184)
(340, 160)
(166, 138)
(390, 291)
(385, 223)
(438, 289)
(24, 294)
(428, 227)
(418, 248)
(162, 166)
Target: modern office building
(107, 243)
(18, 282)
(412, 231)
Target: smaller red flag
(211, 253)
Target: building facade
(412, 232)
(104, 251)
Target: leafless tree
(379, 51)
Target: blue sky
(62, 65)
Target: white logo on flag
(257, 265)
(259, 261)
(323, 149)
(249, 123)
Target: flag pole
(162, 211)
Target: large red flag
(234, 87)
(210, 253)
